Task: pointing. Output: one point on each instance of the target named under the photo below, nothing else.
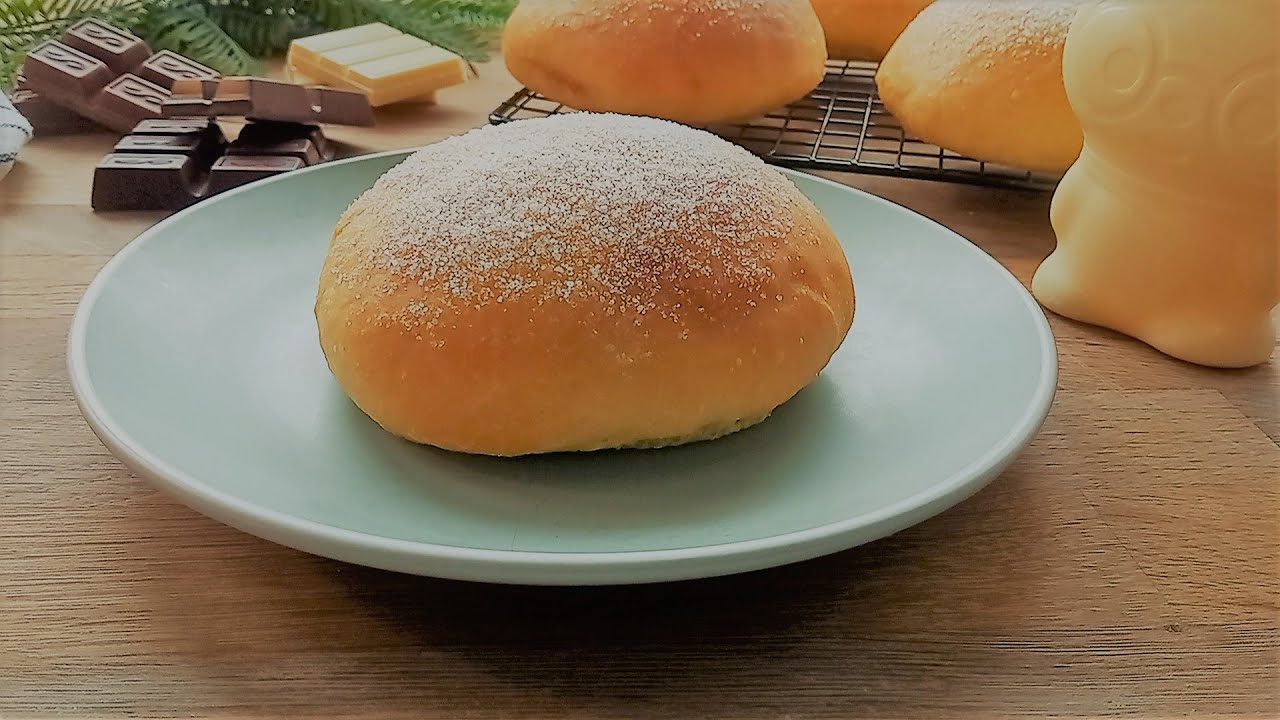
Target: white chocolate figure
(1167, 224)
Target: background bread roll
(579, 282)
(864, 29)
(694, 61)
(984, 78)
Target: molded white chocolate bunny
(1167, 224)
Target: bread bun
(864, 29)
(693, 61)
(984, 78)
(579, 282)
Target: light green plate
(194, 357)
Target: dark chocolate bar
(167, 164)
(263, 99)
(106, 74)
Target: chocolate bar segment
(127, 99)
(166, 68)
(263, 99)
(145, 181)
(183, 144)
(334, 103)
(60, 70)
(46, 118)
(276, 100)
(117, 49)
(299, 148)
(172, 126)
(106, 74)
(169, 164)
(233, 171)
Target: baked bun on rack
(984, 78)
(693, 61)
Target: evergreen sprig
(232, 35)
(186, 27)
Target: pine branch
(37, 17)
(261, 27)
(184, 27)
(338, 14)
(465, 27)
(474, 22)
(484, 14)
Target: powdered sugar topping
(1000, 27)
(608, 208)
(621, 15)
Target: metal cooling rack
(841, 126)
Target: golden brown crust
(984, 79)
(697, 61)
(864, 29)
(707, 353)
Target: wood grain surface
(1127, 564)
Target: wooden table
(1128, 563)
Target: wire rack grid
(839, 126)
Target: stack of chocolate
(174, 153)
(167, 164)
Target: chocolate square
(301, 148)
(166, 68)
(156, 181)
(352, 107)
(170, 126)
(183, 144)
(128, 100)
(117, 49)
(235, 170)
(277, 100)
(65, 70)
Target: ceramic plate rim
(489, 564)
